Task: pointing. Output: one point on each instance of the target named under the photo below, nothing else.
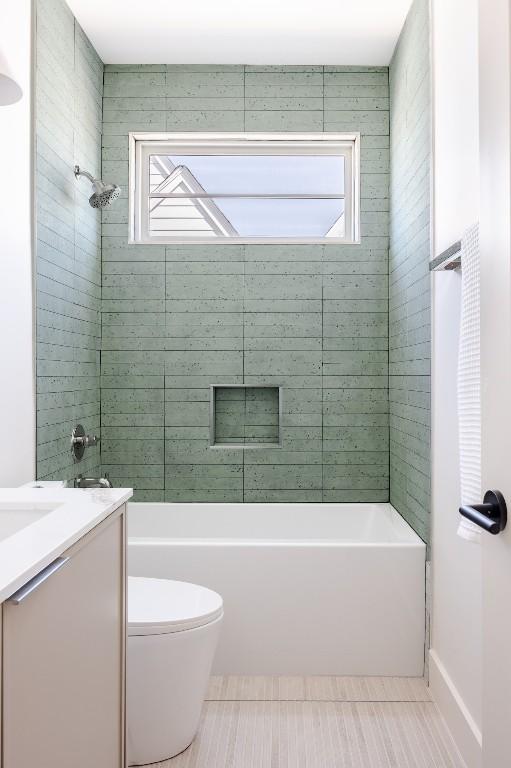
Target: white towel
(469, 383)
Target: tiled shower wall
(310, 318)
(409, 289)
(69, 89)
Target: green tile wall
(409, 287)
(311, 318)
(69, 86)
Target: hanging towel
(469, 384)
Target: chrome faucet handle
(80, 441)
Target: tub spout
(93, 482)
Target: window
(244, 188)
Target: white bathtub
(308, 588)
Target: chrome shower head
(102, 194)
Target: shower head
(102, 194)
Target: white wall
(456, 115)
(455, 659)
(17, 414)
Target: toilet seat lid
(161, 606)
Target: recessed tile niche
(245, 416)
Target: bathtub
(308, 589)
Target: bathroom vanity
(63, 620)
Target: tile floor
(319, 722)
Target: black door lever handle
(491, 515)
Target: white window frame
(142, 145)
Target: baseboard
(460, 723)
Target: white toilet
(173, 630)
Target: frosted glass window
(241, 188)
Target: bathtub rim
(412, 540)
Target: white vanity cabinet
(63, 659)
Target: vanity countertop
(54, 519)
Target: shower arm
(87, 175)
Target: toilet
(173, 630)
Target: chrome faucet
(92, 482)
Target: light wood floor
(319, 722)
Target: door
(495, 234)
(63, 660)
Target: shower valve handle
(491, 515)
(86, 440)
(80, 441)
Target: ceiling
(237, 32)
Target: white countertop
(74, 513)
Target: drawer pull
(36, 582)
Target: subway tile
(209, 85)
(187, 414)
(146, 451)
(282, 363)
(198, 451)
(277, 84)
(287, 496)
(204, 305)
(299, 120)
(355, 438)
(148, 496)
(342, 363)
(111, 434)
(282, 305)
(208, 477)
(203, 363)
(286, 455)
(283, 68)
(283, 477)
(280, 325)
(283, 103)
(226, 103)
(357, 458)
(213, 120)
(200, 253)
(292, 287)
(204, 287)
(280, 253)
(126, 84)
(228, 496)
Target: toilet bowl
(173, 630)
